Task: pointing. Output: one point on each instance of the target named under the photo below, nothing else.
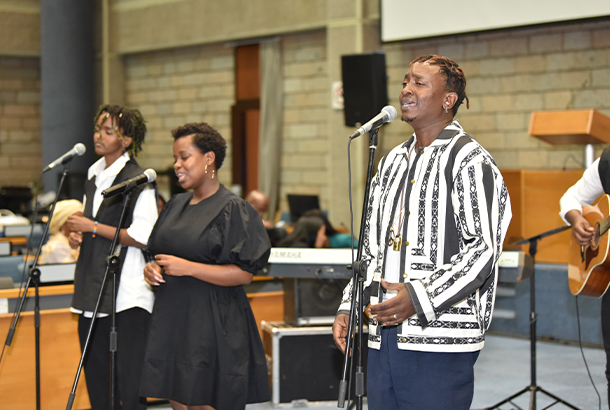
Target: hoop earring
(206, 168)
(212, 174)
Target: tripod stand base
(533, 390)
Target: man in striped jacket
(436, 220)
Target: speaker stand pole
(533, 388)
(358, 273)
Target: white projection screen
(407, 19)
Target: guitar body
(591, 276)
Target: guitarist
(594, 182)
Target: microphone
(147, 176)
(387, 114)
(79, 149)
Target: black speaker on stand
(365, 86)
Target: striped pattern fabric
(457, 211)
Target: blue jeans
(412, 380)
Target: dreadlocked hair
(129, 122)
(205, 138)
(455, 80)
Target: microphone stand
(358, 273)
(34, 278)
(112, 264)
(533, 388)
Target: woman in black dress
(204, 350)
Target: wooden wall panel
(267, 306)
(59, 358)
(252, 137)
(60, 351)
(535, 203)
(247, 73)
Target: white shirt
(583, 192)
(133, 289)
(392, 262)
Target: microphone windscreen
(391, 111)
(80, 149)
(151, 174)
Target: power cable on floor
(599, 399)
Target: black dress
(204, 347)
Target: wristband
(94, 230)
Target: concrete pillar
(67, 96)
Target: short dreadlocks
(455, 80)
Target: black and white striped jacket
(457, 211)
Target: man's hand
(340, 331)
(393, 311)
(582, 231)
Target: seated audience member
(276, 235)
(57, 249)
(336, 239)
(309, 232)
(260, 203)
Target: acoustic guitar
(588, 266)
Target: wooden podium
(535, 194)
(570, 127)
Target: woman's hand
(75, 239)
(219, 275)
(173, 265)
(78, 223)
(152, 274)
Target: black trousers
(132, 331)
(606, 336)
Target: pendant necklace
(395, 240)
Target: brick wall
(20, 149)
(306, 143)
(197, 84)
(511, 73)
(174, 87)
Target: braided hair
(455, 80)
(129, 122)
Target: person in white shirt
(119, 132)
(594, 182)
